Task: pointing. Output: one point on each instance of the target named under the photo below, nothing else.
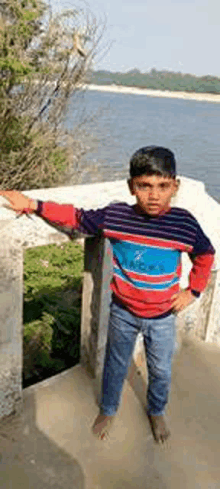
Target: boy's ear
(177, 185)
(130, 185)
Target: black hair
(153, 160)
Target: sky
(177, 35)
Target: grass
(51, 310)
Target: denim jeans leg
(159, 341)
(122, 334)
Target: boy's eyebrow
(147, 184)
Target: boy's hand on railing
(18, 202)
(182, 299)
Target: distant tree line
(159, 80)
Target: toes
(165, 445)
(104, 436)
(159, 429)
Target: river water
(118, 124)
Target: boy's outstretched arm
(62, 216)
(19, 202)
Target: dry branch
(44, 60)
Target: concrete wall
(11, 305)
(201, 319)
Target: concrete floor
(51, 446)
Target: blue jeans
(159, 342)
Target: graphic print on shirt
(144, 266)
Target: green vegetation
(44, 59)
(159, 80)
(52, 305)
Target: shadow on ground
(31, 460)
(51, 444)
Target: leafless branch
(50, 61)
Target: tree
(44, 60)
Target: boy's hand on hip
(182, 299)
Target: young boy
(147, 240)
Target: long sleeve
(68, 219)
(64, 217)
(200, 272)
(202, 258)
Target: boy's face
(153, 193)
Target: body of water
(119, 124)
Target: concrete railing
(201, 319)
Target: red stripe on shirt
(156, 242)
(148, 303)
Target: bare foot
(158, 428)
(101, 426)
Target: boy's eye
(144, 186)
(164, 185)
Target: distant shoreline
(199, 97)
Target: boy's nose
(154, 194)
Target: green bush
(52, 306)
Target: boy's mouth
(153, 204)
(152, 207)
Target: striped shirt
(146, 250)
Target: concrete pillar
(11, 304)
(213, 323)
(193, 321)
(95, 303)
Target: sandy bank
(200, 97)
